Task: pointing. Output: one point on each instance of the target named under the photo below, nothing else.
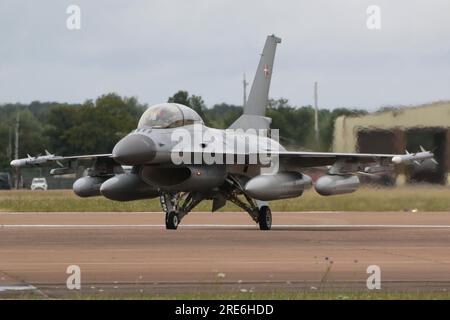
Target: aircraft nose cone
(134, 149)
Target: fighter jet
(175, 157)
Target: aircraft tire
(172, 220)
(265, 218)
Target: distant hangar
(395, 130)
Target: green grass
(301, 296)
(359, 295)
(421, 198)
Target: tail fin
(255, 109)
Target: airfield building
(395, 130)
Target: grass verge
(277, 295)
(420, 198)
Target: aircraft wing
(49, 158)
(317, 159)
(84, 157)
(102, 164)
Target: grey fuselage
(197, 147)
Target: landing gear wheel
(265, 218)
(172, 220)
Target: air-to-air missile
(416, 158)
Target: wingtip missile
(416, 158)
(30, 161)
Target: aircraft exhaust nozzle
(134, 149)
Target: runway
(132, 253)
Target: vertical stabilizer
(255, 108)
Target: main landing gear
(261, 213)
(177, 205)
(265, 218)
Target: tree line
(96, 125)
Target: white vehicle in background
(39, 184)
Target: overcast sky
(150, 49)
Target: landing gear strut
(177, 205)
(262, 216)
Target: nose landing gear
(177, 205)
(172, 220)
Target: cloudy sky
(150, 49)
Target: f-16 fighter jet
(175, 157)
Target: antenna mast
(244, 84)
(316, 112)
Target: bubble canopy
(168, 115)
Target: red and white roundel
(266, 71)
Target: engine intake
(184, 178)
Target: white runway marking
(106, 226)
(16, 288)
(145, 213)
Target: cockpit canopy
(168, 115)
